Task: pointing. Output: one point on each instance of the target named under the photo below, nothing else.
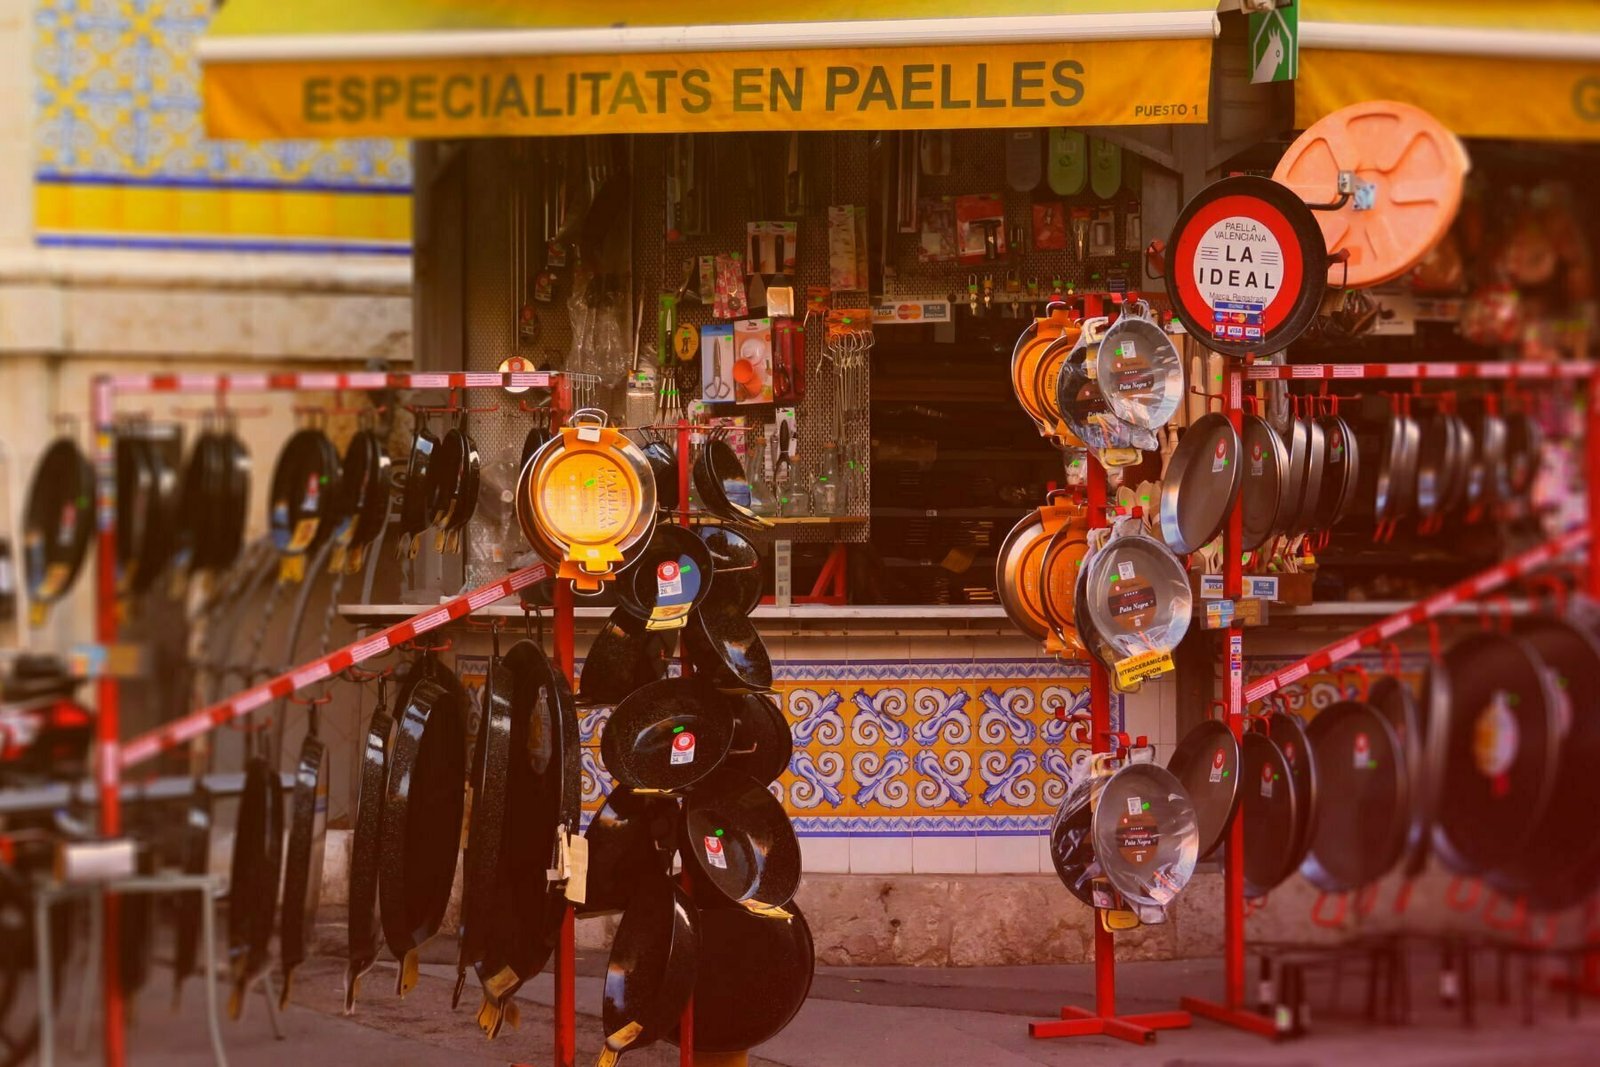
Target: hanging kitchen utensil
(668, 735)
(1288, 732)
(1024, 159)
(668, 580)
(1341, 470)
(1555, 874)
(1499, 740)
(1019, 569)
(1105, 168)
(365, 486)
(414, 491)
(253, 882)
(723, 486)
(736, 565)
(1246, 266)
(542, 806)
(1068, 161)
(740, 847)
(1435, 457)
(1034, 387)
(631, 841)
(135, 510)
(1145, 833)
(1206, 762)
(1064, 557)
(1139, 369)
(363, 930)
(1408, 173)
(486, 813)
(754, 973)
(1140, 602)
(1085, 413)
(1398, 456)
(624, 656)
(421, 820)
(1491, 479)
(1269, 807)
(1203, 481)
(592, 495)
(1311, 483)
(1523, 441)
(1392, 698)
(1127, 834)
(1361, 826)
(453, 477)
(722, 643)
(308, 831)
(664, 462)
(1262, 489)
(1457, 472)
(303, 507)
(651, 972)
(761, 748)
(1294, 486)
(57, 524)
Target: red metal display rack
(1103, 1020)
(113, 755)
(1232, 1010)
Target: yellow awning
(473, 68)
(1525, 69)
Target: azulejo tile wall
(122, 160)
(915, 747)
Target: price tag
(1137, 668)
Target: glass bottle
(830, 488)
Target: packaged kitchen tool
(1139, 602)
(1049, 227)
(847, 247)
(716, 363)
(939, 242)
(752, 361)
(981, 227)
(1140, 371)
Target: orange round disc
(1031, 569)
(587, 497)
(1059, 582)
(1409, 173)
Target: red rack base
(1238, 1018)
(1134, 1029)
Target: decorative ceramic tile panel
(1317, 690)
(915, 747)
(122, 160)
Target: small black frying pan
(738, 567)
(421, 821)
(253, 884)
(630, 841)
(652, 969)
(761, 749)
(1270, 810)
(1288, 732)
(365, 486)
(725, 646)
(58, 522)
(668, 735)
(414, 492)
(754, 974)
(1206, 761)
(740, 847)
(1361, 834)
(363, 929)
(668, 580)
(623, 657)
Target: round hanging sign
(1246, 266)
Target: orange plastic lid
(1409, 171)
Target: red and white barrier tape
(324, 382)
(186, 729)
(1422, 610)
(1489, 371)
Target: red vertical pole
(566, 995)
(686, 1019)
(1105, 946)
(108, 760)
(1591, 476)
(1233, 692)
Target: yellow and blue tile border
(122, 160)
(914, 747)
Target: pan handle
(1516, 921)
(1364, 683)
(1335, 921)
(1456, 897)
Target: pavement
(885, 1017)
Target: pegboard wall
(978, 165)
